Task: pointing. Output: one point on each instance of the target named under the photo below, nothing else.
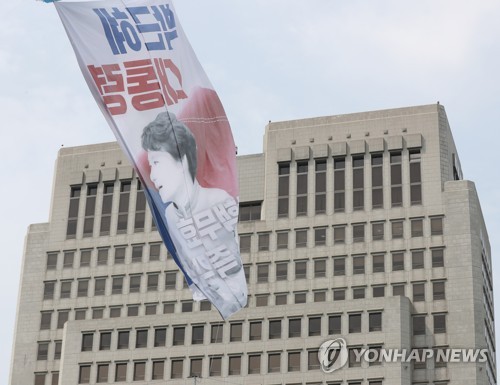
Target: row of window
(343, 265)
(357, 233)
(349, 179)
(231, 365)
(255, 330)
(102, 256)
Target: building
(356, 226)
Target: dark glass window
(281, 271)
(88, 224)
(197, 334)
(294, 361)
(234, 366)
(339, 266)
(139, 371)
(263, 273)
(74, 202)
(215, 366)
(254, 364)
(121, 372)
(105, 341)
(245, 243)
(141, 339)
(320, 196)
(283, 189)
(335, 324)
(119, 255)
(274, 329)
(415, 178)
(294, 327)
(396, 180)
(418, 292)
(282, 240)
(87, 342)
(319, 268)
(398, 261)
(439, 323)
(216, 333)
(437, 257)
(339, 235)
(255, 330)
(358, 264)
(358, 184)
(418, 325)
(250, 211)
(274, 362)
(358, 232)
(302, 168)
(177, 368)
(102, 373)
(339, 185)
(160, 337)
(235, 332)
(84, 374)
(107, 204)
(417, 228)
(354, 323)
(437, 226)
(123, 339)
(179, 335)
(378, 263)
(314, 326)
(263, 241)
(195, 367)
(300, 269)
(377, 181)
(417, 259)
(43, 351)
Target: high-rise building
(357, 226)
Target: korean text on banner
(171, 124)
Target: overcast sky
(268, 60)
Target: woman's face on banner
(167, 174)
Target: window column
(74, 203)
(396, 180)
(283, 189)
(415, 178)
(123, 207)
(377, 181)
(302, 169)
(339, 185)
(358, 185)
(320, 198)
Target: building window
(255, 331)
(100, 286)
(263, 242)
(46, 321)
(439, 323)
(294, 361)
(52, 261)
(274, 362)
(215, 366)
(102, 373)
(398, 261)
(417, 259)
(80, 314)
(195, 367)
(123, 207)
(358, 232)
(87, 342)
(300, 297)
(437, 257)
(151, 309)
(358, 185)
(378, 263)
(354, 323)
(418, 292)
(102, 257)
(55, 379)
(121, 372)
(300, 269)
(153, 282)
(169, 308)
(140, 208)
(105, 341)
(320, 236)
(396, 180)
(234, 366)
(319, 268)
(261, 300)
(378, 231)
(250, 211)
(375, 322)
(320, 203)
(358, 264)
(353, 363)
(117, 285)
(245, 243)
(339, 295)
(74, 203)
(283, 189)
(139, 371)
(377, 181)
(48, 290)
(320, 296)
(397, 229)
(170, 280)
(418, 322)
(339, 266)
(66, 289)
(137, 253)
(339, 185)
(69, 257)
(274, 329)
(85, 258)
(179, 335)
(141, 339)
(294, 327)
(437, 226)
(314, 326)
(158, 370)
(254, 364)
(43, 351)
(135, 284)
(235, 332)
(119, 255)
(107, 204)
(335, 324)
(263, 273)
(84, 374)
(88, 224)
(312, 360)
(398, 289)
(280, 299)
(438, 291)
(154, 252)
(302, 168)
(132, 310)
(282, 240)
(415, 178)
(301, 238)
(417, 228)
(177, 368)
(281, 271)
(358, 293)
(378, 291)
(40, 378)
(339, 235)
(62, 318)
(123, 339)
(216, 333)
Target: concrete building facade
(357, 226)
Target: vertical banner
(171, 124)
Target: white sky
(268, 60)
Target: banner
(171, 124)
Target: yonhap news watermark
(334, 354)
